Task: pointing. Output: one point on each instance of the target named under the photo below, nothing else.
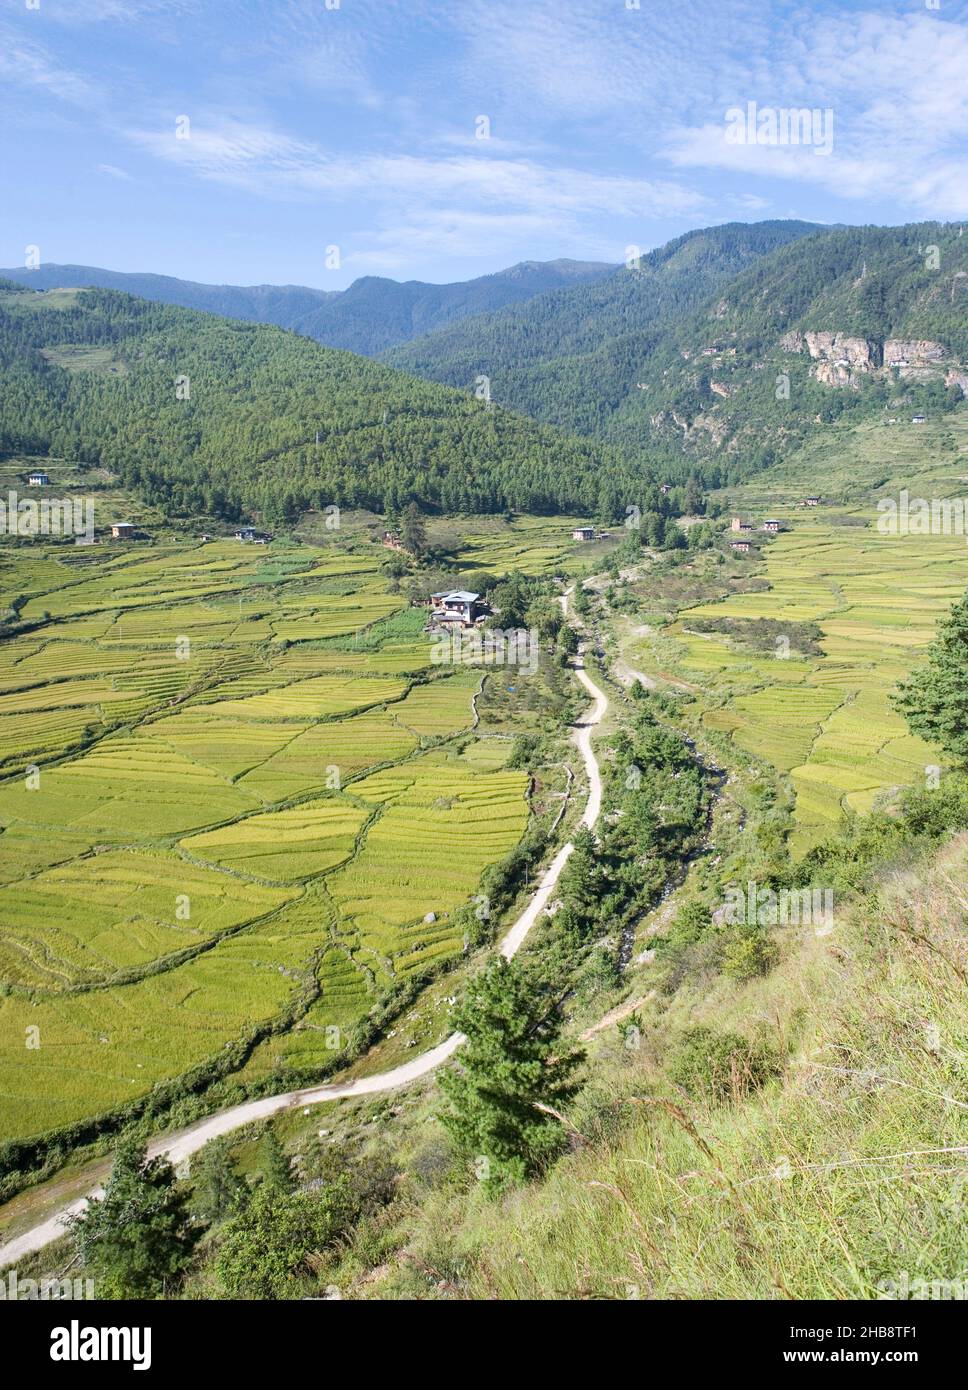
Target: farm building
(604, 535)
(457, 606)
(739, 545)
(583, 533)
(918, 419)
(391, 541)
(249, 534)
(738, 524)
(811, 501)
(122, 530)
(772, 526)
(38, 479)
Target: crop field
(531, 544)
(227, 783)
(827, 721)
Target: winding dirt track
(182, 1144)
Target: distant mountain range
(371, 315)
(715, 355)
(728, 344)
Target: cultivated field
(225, 785)
(827, 720)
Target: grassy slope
(836, 1177)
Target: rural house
(38, 479)
(739, 545)
(811, 501)
(583, 533)
(122, 530)
(250, 534)
(772, 526)
(457, 606)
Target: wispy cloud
(256, 157)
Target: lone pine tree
(935, 699)
(511, 1078)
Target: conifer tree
(935, 699)
(512, 1075)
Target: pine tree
(413, 531)
(275, 1164)
(935, 699)
(218, 1187)
(512, 1075)
(138, 1239)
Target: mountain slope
(572, 356)
(283, 305)
(201, 413)
(685, 356)
(369, 316)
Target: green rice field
(226, 781)
(826, 721)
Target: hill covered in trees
(683, 355)
(572, 355)
(370, 315)
(205, 414)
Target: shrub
(721, 1066)
(748, 953)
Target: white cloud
(897, 90)
(260, 159)
(26, 64)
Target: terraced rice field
(827, 721)
(225, 783)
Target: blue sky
(354, 123)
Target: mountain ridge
(368, 316)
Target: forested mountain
(207, 414)
(684, 357)
(283, 305)
(574, 354)
(369, 316)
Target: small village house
(918, 419)
(249, 535)
(391, 541)
(772, 526)
(122, 530)
(583, 533)
(457, 606)
(811, 501)
(742, 546)
(38, 478)
(738, 524)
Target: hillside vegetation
(683, 355)
(210, 415)
(373, 313)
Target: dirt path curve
(182, 1144)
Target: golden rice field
(827, 721)
(224, 778)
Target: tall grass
(842, 1175)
